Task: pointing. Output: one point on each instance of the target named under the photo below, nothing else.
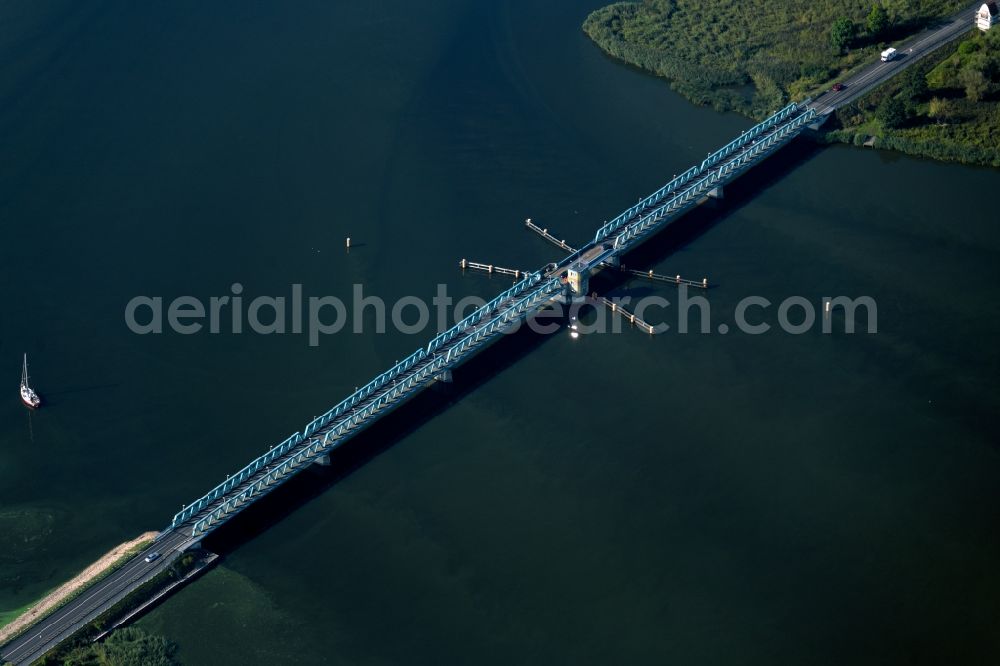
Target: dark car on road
(837, 87)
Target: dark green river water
(615, 499)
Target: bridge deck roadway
(48, 632)
(467, 342)
(910, 51)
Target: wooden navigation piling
(671, 279)
(649, 275)
(632, 318)
(445, 352)
(465, 264)
(544, 233)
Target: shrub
(968, 46)
(128, 646)
(975, 84)
(891, 113)
(941, 109)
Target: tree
(842, 33)
(891, 113)
(915, 86)
(941, 110)
(975, 83)
(878, 20)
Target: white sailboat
(28, 395)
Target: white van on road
(888, 54)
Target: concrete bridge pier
(445, 377)
(323, 460)
(820, 120)
(718, 193)
(194, 546)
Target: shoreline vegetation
(55, 599)
(107, 640)
(756, 56)
(943, 107)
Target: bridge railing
(699, 187)
(751, 134)
(610, 227)
(527, 297)
(335, 436)
(255, 465)
(354, 399)
(733, 146)
(346, 404)
(476, 316)
(316, 424)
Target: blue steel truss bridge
(486, 325)
(313, 445)
(534, 291)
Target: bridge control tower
(578, 273)
(578, 279)
(568, 278)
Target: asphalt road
(47, 633)
(910, 52)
